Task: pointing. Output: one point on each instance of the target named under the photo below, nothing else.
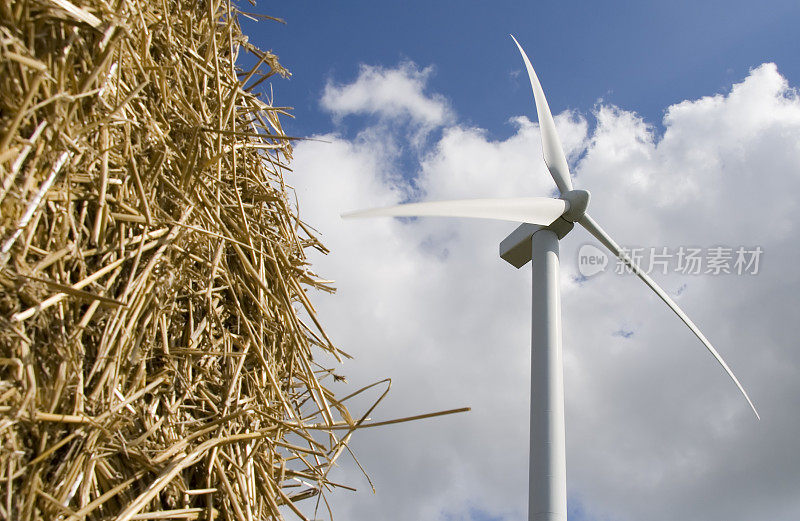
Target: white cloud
(655, 430)
(389, 93)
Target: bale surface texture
(157, 347)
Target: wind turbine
(545, 222)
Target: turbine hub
(577, 202)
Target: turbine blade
(534, 210)
(553, 153)
(600, 234)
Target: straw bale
(156, 341)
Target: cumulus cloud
(389, 94)
(655, 430)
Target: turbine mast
(547, 464)
(547, 472)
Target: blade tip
(758, 416)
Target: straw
(153, 362)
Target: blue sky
(644, 56)
(683, 120)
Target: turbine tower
(545, 222)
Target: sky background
(683, 121)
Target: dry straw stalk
(155, 361)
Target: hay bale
(154, 355)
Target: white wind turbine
(545, 222)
